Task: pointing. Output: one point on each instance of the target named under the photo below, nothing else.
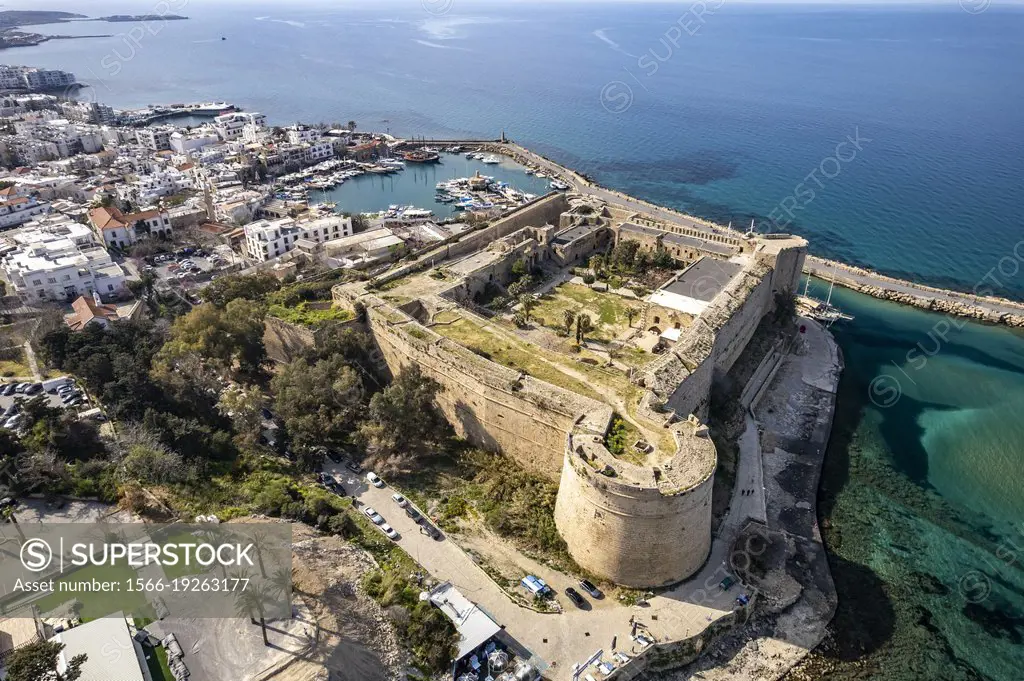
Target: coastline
(982, 308)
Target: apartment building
(118, 230)
(268, 239)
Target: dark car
(332, 455)
(354, 467)
(575, 597)
(34, 388)
(589, 587)
(413, 513)
(9, 389)
(431, 531)
(267, 414)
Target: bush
(588, 279)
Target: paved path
(564, 639)
(858, 277)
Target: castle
(639, 520)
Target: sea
(891, 136)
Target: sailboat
(824, 312)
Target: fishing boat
(421, 156)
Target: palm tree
(281, 581)
(527, 302)
(250, 603)
(260, 540)
(583, 326)
(351, 125)
(568, 319)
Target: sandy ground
(335, 632)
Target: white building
(118, 230)
(58, 264)
(230, 125)
(182, 142)
(30, 78)
(268, 239)
(155, 137)
(111, 652)
(302, 134)
(20, 209)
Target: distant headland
(12, 20)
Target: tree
(583, 326)
(250, 602)
(320, 402)
(351, 125)
(244, 407)
(519, 269)
(623, 256)
(404, 416)
(527, 302)
(248, 286)
(568, 319)
(631, 313)
(38, 662)
(229, 339)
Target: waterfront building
(230, 126)
(33, 79)
(268, 239)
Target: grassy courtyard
(608, 312)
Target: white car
(374, 479)
(377, 518)
(400, 500)
(389, 532)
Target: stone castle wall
(633, 533)
(492, 406)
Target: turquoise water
(922, 496)
(416, 185)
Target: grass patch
(156, 660)
(608, 311)
(306, 315)
(522, 357)
(98, 604)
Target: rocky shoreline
(983, 309)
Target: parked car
(68, 396)
(400, 500)
(575, 597)
(34, 388)
(413, 513)
(431, 531)
(374, 479)
(353, 466)
(9, 389)
(20, 388)
(389, 532)
(589, 587)
(13, 422)
(377, 518)
(333, 455)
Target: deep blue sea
(891, 137)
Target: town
(548, 390)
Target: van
(53, 384)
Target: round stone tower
(636, 526)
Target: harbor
(440, 187)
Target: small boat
(491, 159)
(558, 186)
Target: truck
(52, 384)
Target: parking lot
(53, 399)
(189, 266)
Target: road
(563, 639)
